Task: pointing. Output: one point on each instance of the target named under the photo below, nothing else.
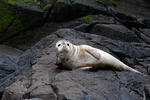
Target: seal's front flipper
(58, 61)
(92, 51)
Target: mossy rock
(14, 19)
(139, 7)
(22, 2)
(65, 10)
(6, 15)
(8, 22)
(88, 17)
(71, 9)
(45, 4)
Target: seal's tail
(133, 70)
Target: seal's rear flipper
(85, 68)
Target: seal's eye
(68, 44)
(59, 45)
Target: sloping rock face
(8, 64)
(48, 82)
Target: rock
(49, 82)
(139, 7)
(115, 32)
(78, 8)
(29, 38)
(146, 32)
(45, 4)
(15, 18)
(6, 50)
(17, 89)
(41, 81)
(9, 57)
(146, 92)
(78, 85)
(8, 62)
(7, 65)
(33, 99)
(75, 9)
(98, 18)
(31, 3)
(81, 27)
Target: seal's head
(63, 47)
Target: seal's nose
(64, 46)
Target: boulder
(35, 4)
(91, 85)
(45, 4)
(47, 81)
(146, 92)
(15, 18)
(17, 89)
(67, 10)
(33, 99)
(146, 32)
(115, 32)
(9, 57)
(41, 80)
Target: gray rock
(115, 32)
(79, 8)
(8, 60)
(41, 81)
(146, 32)
(19, 17)
(75, 9)
(17, 89)
(91, 85)
(9, 57)
(81, 27)
(33, 99)
(49, 82)
(146, 92)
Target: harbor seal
(85, 56)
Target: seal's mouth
(63, 54)
(65, 49)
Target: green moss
(30, 2)
(88, 17)
(15, 2)
(122, 4)
(6, 16)
(46, 6)
(64, 1)
(17, 26)
(22, 2)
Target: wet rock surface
(47, 81)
